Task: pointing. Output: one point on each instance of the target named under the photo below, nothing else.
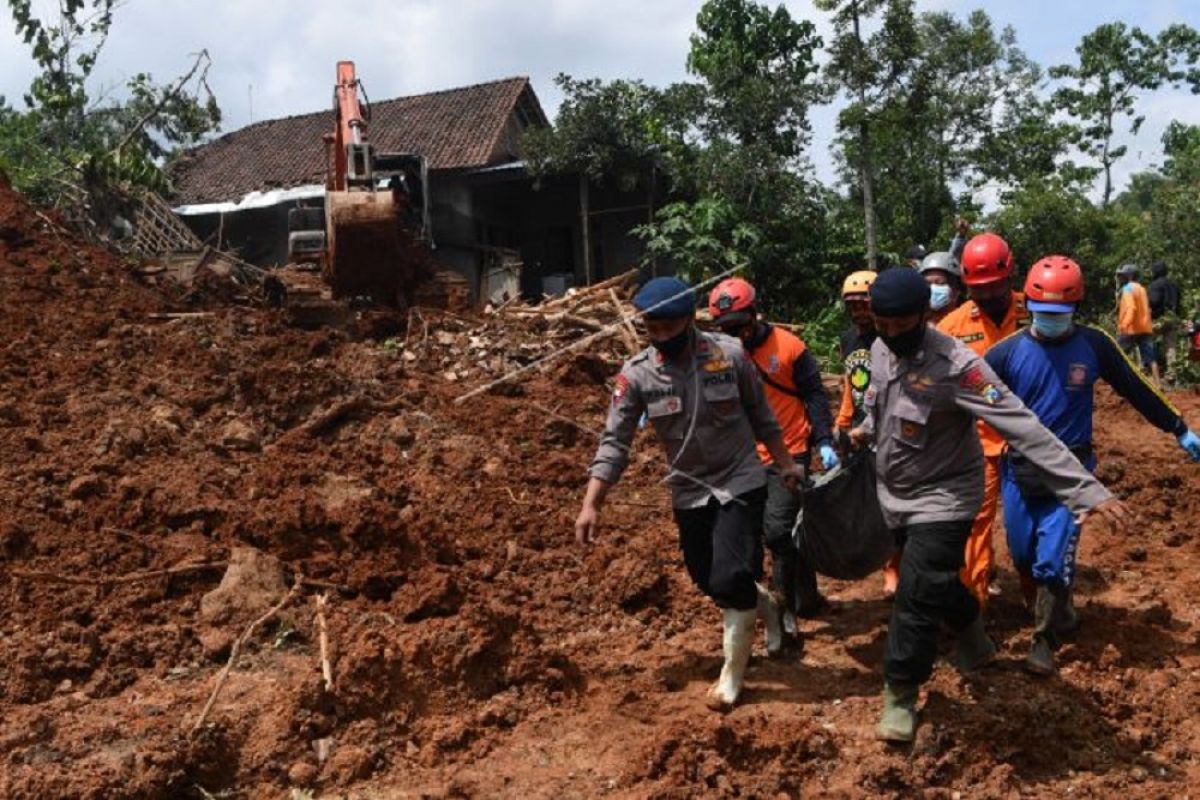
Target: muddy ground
(475, 650)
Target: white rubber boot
(769, 613)
(739, 637)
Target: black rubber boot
(1066, 618)
(810, 603)
(898, 722)
(1047, 608)
(974, 649)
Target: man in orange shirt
(1135, 330)
(791, 377)
(993, 312)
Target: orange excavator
(372, 239)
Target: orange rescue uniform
(775, 359)
(1133, 311)
(971, 326)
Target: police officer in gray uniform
(926, 391)
(706, 402)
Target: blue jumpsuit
(1056, 380)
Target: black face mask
(675, 345)
(908, 343)
(995, 307)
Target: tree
(748, 199)
(856, 67)
(1116, 65)
(66, 137)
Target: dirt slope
(476, 651)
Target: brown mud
(476, 651)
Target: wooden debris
(320, 601)
(237, 648)
(85, 580)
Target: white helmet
(941, 261)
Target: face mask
(939, 296)
(1052, 326)
(675, 345)
(908, 343)
(995, 307)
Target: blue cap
(665, 298)
(1050, 308)
(899, 293)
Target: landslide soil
(476, 651)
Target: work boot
(1047, 607)
(770, 613)
(974, 649)
(738, 639)
(898, 723)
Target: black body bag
(840, 528)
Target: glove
(1190, 443)
(829, 456)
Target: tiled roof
(454, 129)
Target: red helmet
(986, 259)
(1054, 284)
(730, 296)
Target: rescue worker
(791, 378)
(925, 395)
(1052, 367)
(993, 312)
(855, 349)
(706, 403)
(915, 255)
(1135, 330)
(1164, 295)
(944, 276)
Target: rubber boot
(1046, 608)
(1066, 618)
(898, 723)
(974, 649)
(769, 612)
(739, 637)
(810, 603)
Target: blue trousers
(1042, 534)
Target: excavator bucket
(365, 245)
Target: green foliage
(1117, 64)
(64, 136)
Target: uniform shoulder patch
(620, 389)
(973, 379)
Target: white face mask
(939, 296)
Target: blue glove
(1190, 442)
(829, 456)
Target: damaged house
(488, 221)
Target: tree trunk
(866, 168)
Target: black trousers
(722, 548)
(791, 574)
(930, 593)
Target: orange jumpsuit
(977, 331)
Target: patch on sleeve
(620, 389)
(990, 393)
(973, 379)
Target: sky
(275, 58)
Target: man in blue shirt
(1053, 366)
